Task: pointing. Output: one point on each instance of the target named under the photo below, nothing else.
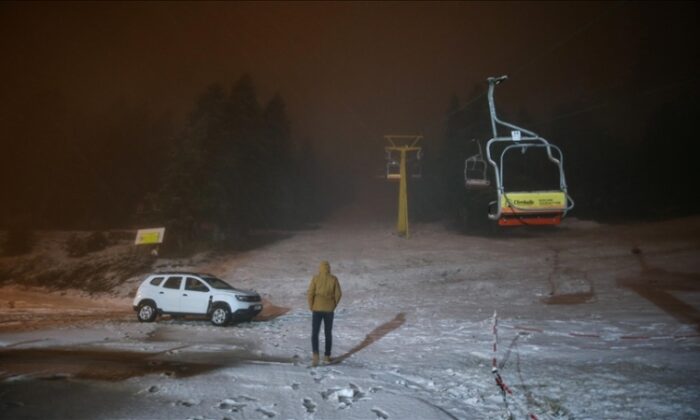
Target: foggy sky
(349, 72)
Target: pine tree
(240, 166)
(232, 169)
(187, 199)
(278, 163)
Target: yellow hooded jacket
(324, 290)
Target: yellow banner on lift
(538, 201)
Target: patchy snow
(593, 321)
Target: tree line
(232, 167)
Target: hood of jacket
(324, 268)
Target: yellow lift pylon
(403, 145)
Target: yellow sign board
(149, 236)
(539, 201)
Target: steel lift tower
(402, 150)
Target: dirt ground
(32, 308)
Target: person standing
(323, 295)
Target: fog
(94, 94)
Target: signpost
(153, 236)
(149, 236)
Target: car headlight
(244, 298)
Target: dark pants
(327, 318)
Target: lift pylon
(403, 145)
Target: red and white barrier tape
(505, 390)
(579, 334)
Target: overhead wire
(599, 17)
(427, 127)
(603, 104)
(580, 30)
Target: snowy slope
(581, 333)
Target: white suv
(179, 293)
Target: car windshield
(218, 283)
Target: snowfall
(585, 321)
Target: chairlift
(393, 166)
(475, 170)
(517, 208)
(393, 170)
(413, 163)
(415, 166)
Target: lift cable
(582, 29)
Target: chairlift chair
(393, 170)
(415, 165)
(406, 145)
(393, 167)
(475, 171)
(517, 208)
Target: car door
(195, 297)
(169, 294)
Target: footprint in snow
(381, 414)
(318, 378)
(266, 412)
(357, 393)
(344, 396)
(187, 403)
(309, 405)
(295, 386)
(327, 393)
(231, 404)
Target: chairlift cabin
(393, 166)
(403, 147)
(475, 177)
(415, 167)
(517, 208)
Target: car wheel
(147, 312)
(220, 315)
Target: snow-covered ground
(593, 321)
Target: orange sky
(350, 72)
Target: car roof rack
(190, 273)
